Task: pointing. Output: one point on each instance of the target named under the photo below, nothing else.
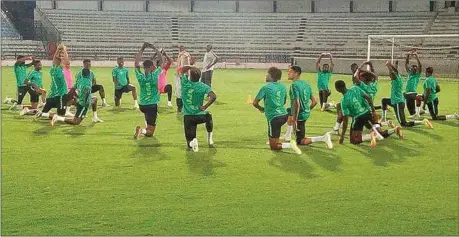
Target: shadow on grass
(46, 129)
(292, 163)
(386, 152)
(202, 162)
(426, 132)
(217, 102)
(179, 116)
(77, 130)
(451, 123)
(117, 110)
(324, 157)
(149, 149)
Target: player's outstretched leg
(301, 138)
(385, 102)
(339, 119)
(95, 118)
(168, 90)
(274, 131)
(209, 128)
(190, 127)
(134, 95)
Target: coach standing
(210, 59)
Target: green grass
(96, 180)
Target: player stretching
(323, 80)
(397, 101)
(83, 85)
(274, 95)
(34, 83)
(302, 102)
(413, 75)
(430, 98)
(95, 87)
(162, 86)
(357, 104)
(122, 85)
(194, 112)
(210, 59)
(20, 72)
(149, 94)
(183, 59)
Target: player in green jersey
(20, 72)
(194, 112)
(274, 95)
(122, 84)
(82, 88)
(413, 75)
(323, 80)
(95, 87)
(302, 102)
(34, 82)
(430, 98)
(397, 101)
(358, 105)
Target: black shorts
(150, 112)
(125, 89)
(22, 92)
(433, 108)
(58, 102)
(365, 120)
(96, 88)
(301, 131)
(81, 111)
(34, 95)
(275, 125)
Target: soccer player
(20, 72)
(397, 101)
(95, 87)
(34, 83)
(210, 59)
(430, 98)
(274, 95)
(358, 105)
(162, 86)
(122, 85)
(149, 94)
(194, 112)
(302, 102)
(323, 80)
(183, 58)
(83, 85)
(413, 75)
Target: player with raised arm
(149, 93)
(163, 87)
(323, 80)
(183, 58)
(210, 59)
(274, 95)
(302, 102)
(122, 84)
(20, 72)
(413, 75)
(358, 105)
(95, 87)
(82, 87)
(397, 101)
(34, 82)
(194, 112)
(430, 98)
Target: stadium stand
(8, 30)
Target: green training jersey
(20, 72)
(371, 88)
(412, 82)
(396, 92)
(353, 103)
(80, 76)
(301, 90)
(323, 79)
(274, 95)
(431, 83)
(193, 95)
(83, 86)
(36, 77)
(58, 84)
(149, 94)
(121, 74)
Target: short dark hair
(147, 63)
(275, 73)
(296, 69)
(354, 65)
(35, 61)
(195, 74)
(429, 70)
(19, 57)
(119, 58)
(325, 64)
(340, 84)
(85, 72)
(87, 61)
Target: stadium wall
(125, 6)
(77, 5)
(169, 6)
(331, 6)
(214, 6)
(255, 6)
(294, 6)
(371, 6)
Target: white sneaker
(37, 115)
(456, 115)
(267, 143)
(169, 104)
(105, 105)
(13, 106)
(97, 120)
(41, 105)
(286, 138)
(335, 132)
(194, 145)
(136, 106)
(7, 100)
(295, 147)
(24, 111)
(53, 120)
(328, 140)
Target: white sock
(103, 101)
(94, 114)
(45, 115)
(135, 103)
(59, 118)
(337, 125)
(288, 133)
(418, 111)
(318, 139)
(144, 131)
(418, 122)
(209, 136)
(366, 137)
(384, 113)
(67, 110)
(450, 116)
(286, 145)
(391, 131)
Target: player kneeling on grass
(194, 112)
(34, 83)
(85, 100)
(149, 94)
(358, 105)
(430, 98)
(122, 85)
(301, 103)
(274, 95)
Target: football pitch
(94, 179)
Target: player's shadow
(149, 149)
(324, 157)
(78, 130)
(386, 152)
(117, 110)
(426, 132)
(203, 162)
(292, 163)
(218, 102)
(451, 123)
(46, 129)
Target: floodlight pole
(392, 52)
(369, 48)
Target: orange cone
(249, 100)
